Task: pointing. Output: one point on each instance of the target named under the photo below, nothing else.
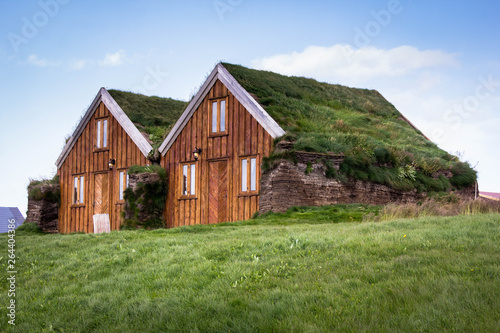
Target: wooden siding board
(199, 168)
(229, 152)
(248, 133)
(87, 139)
(254, 135)
(203, 114)
(176, 190)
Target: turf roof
(380, 144)
(151, 114)
(306, 107)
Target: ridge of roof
(124, 121)
(243, 96)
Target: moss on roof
(151, 114)
(379, 143)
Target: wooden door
(218, 192)
(101, 194)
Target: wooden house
(231, 130)
(214, 152)
(93, 165)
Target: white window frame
(218, 116)
(78, 190)
(102, 133)
(188, 180)
(249, 168)
(123, 178)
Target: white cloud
(344, 63)
(110, 60)
(113, 59)
(80, 64)
(36, 61)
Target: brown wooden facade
(100, 184)
(217, 183)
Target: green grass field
(304, 271)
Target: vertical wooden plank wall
(83, 160)
(245, 137)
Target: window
(78, 190)
(123, 183)
(218, 117)
(101, 133)
(249, 175)
(189, 180)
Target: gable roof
(250, 104)
(113, 107)
(8, 213)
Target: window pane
(222, 116)
(193, 177)
(126, 186)
(184, 179)
(214, 117)
(98, 145)
(75, 191)
(105, 133)
(81, 189)
(253, 174)
(244, 176)
(121, 186)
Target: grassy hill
(302, 273)
(380, 144)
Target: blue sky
(438, 62)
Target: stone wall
(145, 178)
(287, 185)
(44, 212)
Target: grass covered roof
(380, 145)
(151, 114)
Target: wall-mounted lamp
(111, 163)
(196, 153)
